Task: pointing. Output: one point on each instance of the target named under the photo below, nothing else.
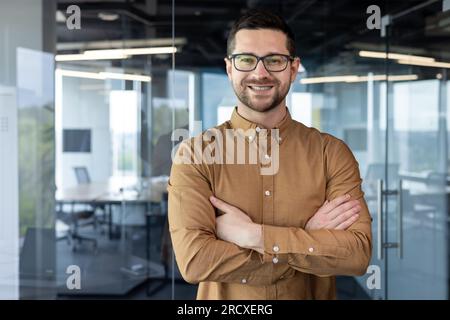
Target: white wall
(84, 105)
(20, 26)
(9, 211)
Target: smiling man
(242, 234)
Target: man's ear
(228, 67)
(294, 68)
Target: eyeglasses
(272, 62)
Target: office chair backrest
(82, 175)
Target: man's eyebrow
(268, 54)
(245, 53)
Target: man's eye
(246, 60)
(274, 61)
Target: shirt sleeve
(200, 255)
(327, 252)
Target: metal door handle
(400, 219)
(380, 219)
(380, 232)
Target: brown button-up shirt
(297, 263)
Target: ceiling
(328, 33)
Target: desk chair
(83, 177)
(75, 219)
(78, 216)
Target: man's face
(259, 89)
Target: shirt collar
(239, 122)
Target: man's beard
(271, 103)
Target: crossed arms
(335, 241)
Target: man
(242, 234)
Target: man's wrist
(256, 238)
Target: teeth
(260, 88)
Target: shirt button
(311, 249)
(275, 260)
(267, 156)
(276, 248)
(250, 138)
(244, 281)
(267, 193)
(258, 129)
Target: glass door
(415, 191)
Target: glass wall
(118, 99)
(417, 134)
(27, 241)
(91, 91)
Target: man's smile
(260, 88)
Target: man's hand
(236, 226)
(338, 214)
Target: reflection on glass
(123, 112)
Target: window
(123, 121)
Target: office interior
(87, 111)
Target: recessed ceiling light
(109, 54)
(108, 16)
(355, 78)
(394, 56)
(102, 75)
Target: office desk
(424, 177)
(115, 191)
(122, 193)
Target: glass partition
(416, 234)
(27, 240)
(91, 91)
(114, 115)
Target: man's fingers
(343, 208)
(336, 202)
(222, 205)
(322, 207)
(344, 225)
(338, 213)
(343, 217)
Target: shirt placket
(268, 193)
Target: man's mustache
(259, 83)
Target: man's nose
(261, 70)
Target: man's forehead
(260, 41)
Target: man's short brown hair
(261, 19)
